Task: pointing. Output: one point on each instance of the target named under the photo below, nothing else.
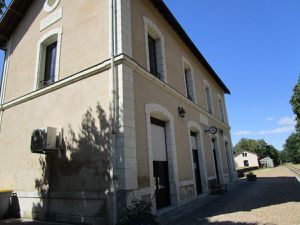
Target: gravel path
(274, 199)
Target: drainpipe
(4, 79)
(114, 108)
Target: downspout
(4, 80)
(114, 94)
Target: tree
(246, 145)
(292, 148)
(260, 147)
(295, 102)
(266, 150)
(2, 6)
(283, 156)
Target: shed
(267, 162)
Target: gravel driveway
(274, 199)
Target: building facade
(246, 159)
(140, 112)
(267, 162)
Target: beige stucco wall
(252, 159)
(75, 108)
(85, 42)
(156, 94)
(175, 49)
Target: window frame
(46, 40)
(153, 56)
(152, 30)
(209, 99)
(50, 63)
(190, 90)
(223, 114)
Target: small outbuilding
(246, 159)
(267, 162)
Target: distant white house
(267, 162)
(246, 159)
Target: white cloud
(287, 121)
(242, 132)
(270, 119)
(279, 130)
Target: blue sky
(254, 46)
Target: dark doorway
(196, 163)
(160, 164)
(246, 163)
(215, 159)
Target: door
(196, 163)
(160, 164)
(215, 159)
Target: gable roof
(253, 153)
(17, 9)
(266, 158)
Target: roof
(164, 10)
(17, 9)
(11, 18)
(253, 153)
(266, 159)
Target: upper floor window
(47, 65)
(155, 50)
(153, 57)
(244, 154)
(189, 81)
(208, 97)
(221, 106)
(49, 75)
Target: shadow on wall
(73, 188)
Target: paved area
(274, 199)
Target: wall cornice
(103, 66)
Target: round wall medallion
(50, 5)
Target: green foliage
(260, 147)
(246, 145)
(2, 6)
(138, 213)
(295, 102)
(291, 152)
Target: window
(48, 54)
(208, 100)
(155, 50)
(244, 154)
(221, 110)
(208, 96)
(188, 79)
(50, 63)
(246, 163)
(152, 57)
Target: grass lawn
(259, 171)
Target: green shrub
(138, 213)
